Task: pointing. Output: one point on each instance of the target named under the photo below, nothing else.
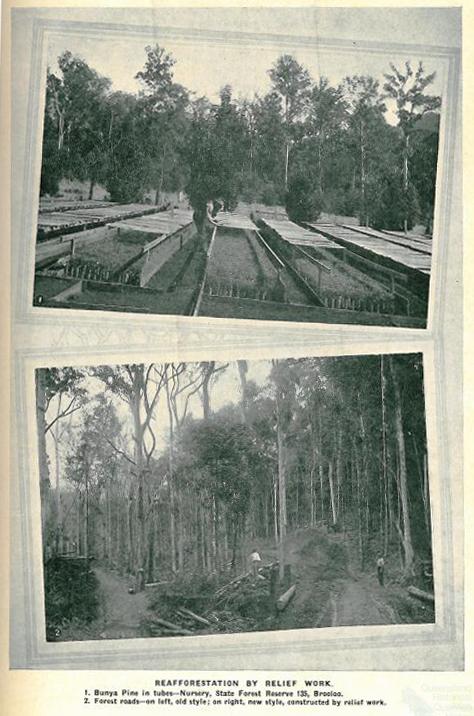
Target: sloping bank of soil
(316, 563)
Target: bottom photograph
(209, 498)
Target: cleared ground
(330, 591)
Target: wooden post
(273, 583)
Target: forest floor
(330, 591)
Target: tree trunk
(130, 532)
(78, 524)
(281, 490)
(206, 401)
(139, 462)
(266, 517)
(331, 492)
(339, 472)
(242, 366)
(400, 438)
(214, 533)
(180, 534)
(171, 480)
(275, 509)
(359, 516)
(362, 174)
(406, 179)
(60, 128)
(43, 458)
(57, 488)
(320, 165)
(86, 513)
(160, 184)
(287, 144)
(321, 489)
(384, 462)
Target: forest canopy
(306, 143)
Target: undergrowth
(71, 595)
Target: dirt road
(329, 592)
(121, 612)
(360, 603)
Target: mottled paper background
(42, 337)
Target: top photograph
(238, 180)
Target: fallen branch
(229, 585)
(286, 598)
(420, 594)
(194, 616)
(172, 627)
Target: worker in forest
(255, 561)
(217, 206)
(380, 569)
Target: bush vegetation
(71, 593)
(317, 146)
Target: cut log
(160, 630)
(175, 628)
(420, 594)
(155, 584)
(189, 613)
(286, 598)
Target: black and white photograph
(212, 498)
(286, 181)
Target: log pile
(232, 586)
(236, 606)
(181, 622)
(245, 588)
